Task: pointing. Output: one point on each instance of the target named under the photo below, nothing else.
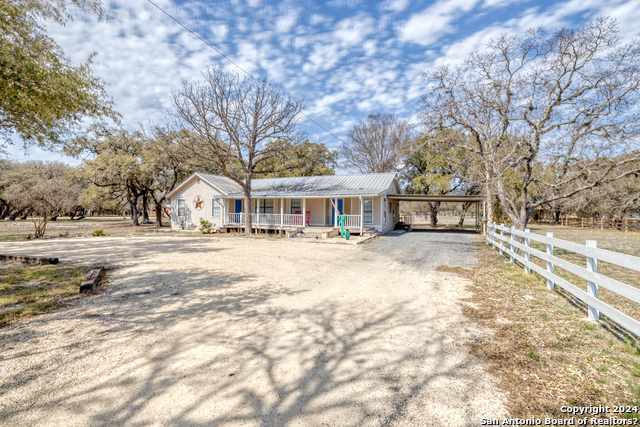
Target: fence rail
(627, 224)
(508, 243)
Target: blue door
(237, 217)
(340, 210)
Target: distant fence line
(627, 224)
(507, 243)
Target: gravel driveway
(232, 331)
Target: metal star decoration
(199, 202)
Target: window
(265, 206)
(180, 207)
(367, 209)
(296, 205)
(384, 203)
(216, 208)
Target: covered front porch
(282, 213)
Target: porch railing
(292, 220)
(286, 220)
(234, 218)
(353, 221)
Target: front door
(340, 210)
(237, 218)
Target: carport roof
(434, 198)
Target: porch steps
(325, 233)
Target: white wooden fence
(507, 243)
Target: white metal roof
(305, 186)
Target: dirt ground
(262, 332)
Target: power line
(231, 61)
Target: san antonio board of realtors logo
(198, 201)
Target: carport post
(282, 213)
(304, 212)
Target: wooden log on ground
(29, 259)
(91, 280)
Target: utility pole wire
(231, 61)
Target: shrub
(205, 226)
(98, 233)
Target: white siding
(192, 216)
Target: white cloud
(428, 26)
(317, 19)
(395, 5)
(286, 22)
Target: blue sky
(346, 58)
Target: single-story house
(279, 203)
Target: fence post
(513, 237)
(486, 231)
(592, 288)
(493, 235)
(614, 224)
(601, 223)
(626, 225)
(527, 255)
(549, 263)
(502, 238)
(581, 222)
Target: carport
(476, 200)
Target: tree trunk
(158, 215)
(465, 208)
(133, 206)
(433, 209)
(24, 216)
(488, 192)
(5, 210)
(54, 218)
(556, 217)
(247, 205)
(145, 208)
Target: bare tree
(44, 190)
(554, 111)
(377, 144)
(229, 123)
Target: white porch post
(381, 213)
(324, 211)
(361, 216)
(281, 212)
(224, 211)
(335, 212)
(304, 212)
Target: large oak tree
(44, 97)
(543, 110)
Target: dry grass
(26, 290)
(617, 241)
(63, 227)
(543, 350)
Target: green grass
(29, 289)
